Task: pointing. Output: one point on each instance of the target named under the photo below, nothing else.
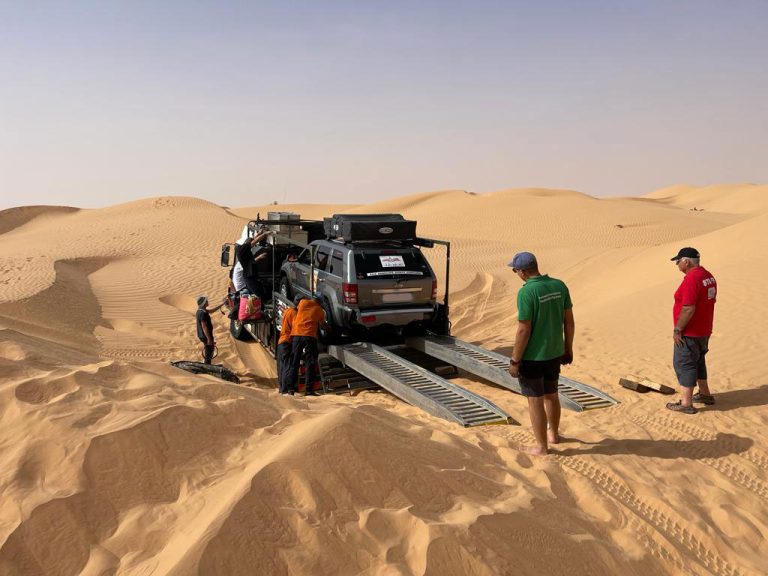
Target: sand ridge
(113, 462)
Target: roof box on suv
(369, 227)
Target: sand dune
(113, 462)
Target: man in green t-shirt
(544, 340)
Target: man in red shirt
(693, 315)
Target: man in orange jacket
(309, 317)
(283, 355)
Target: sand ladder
(418, 386)
(493, 367)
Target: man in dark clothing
(249, 254)
(284, 348)
(309, 317)
(205, 327)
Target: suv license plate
(397, 297)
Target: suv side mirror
(225, 252)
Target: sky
(246, 103)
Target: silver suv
(365, 286)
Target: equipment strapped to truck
(369, 227)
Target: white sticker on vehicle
(392, 261)
(396, 273)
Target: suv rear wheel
(331, 334)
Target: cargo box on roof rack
(369, 227)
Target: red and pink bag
(250, 308)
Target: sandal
(707, 399)
(678, 407)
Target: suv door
(334, 277)
(298, 272)
(322, 255)
(398, 277)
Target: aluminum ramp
(418, 386)
(493, 367)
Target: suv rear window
(387, 264)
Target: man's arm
(214, 308)
(521, 342)
(569, 327)
(686, 313)
(323, 321)
(259, 237)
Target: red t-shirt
(699, 289)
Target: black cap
(687, 253)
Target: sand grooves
(66, 311)
(374, 491)
(664, 532)
(130, 444)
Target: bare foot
(534, 450)
(553, 437)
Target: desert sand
(114, 462)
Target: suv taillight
(350, 293)
(434, 289)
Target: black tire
(238, 331)
(285, 288)
(332, 334)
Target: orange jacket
(287, 327)
(308, 317)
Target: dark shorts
(689, 360)
(539, 377)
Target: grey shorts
(689, 360)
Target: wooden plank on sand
(640, 384)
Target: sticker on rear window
(392, 261)
(396, 273)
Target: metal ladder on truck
(493, 367)
(418, 386)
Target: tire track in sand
(722, 464)
(662, 522)
(754, 456)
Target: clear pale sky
(243, 103)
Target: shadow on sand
(733, 399)
(723, 444)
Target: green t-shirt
(542, 301)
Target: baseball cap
(202, 301)
(523, 261)
(687, 252)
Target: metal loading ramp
(493, 367)
(418, 386)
